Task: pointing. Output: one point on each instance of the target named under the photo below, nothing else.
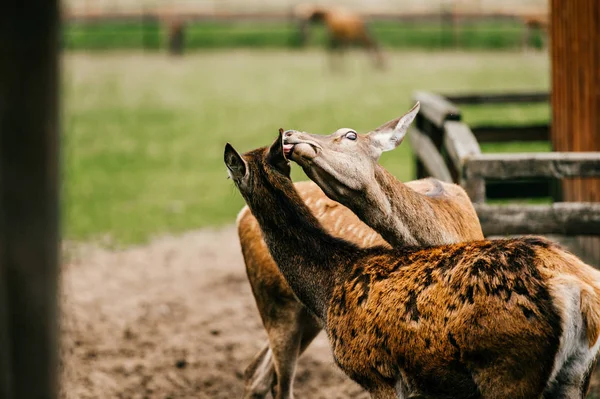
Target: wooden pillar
(575, 53)
(29, 104)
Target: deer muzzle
(298, 146)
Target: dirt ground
(173, 319)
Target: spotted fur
(479, 319)
(289, 325)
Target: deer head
(246, 175)
(343, 162)
(295, 238)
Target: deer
(515, 317)
(289, 325)
(344, 164)
(533, 22)
(344, 28)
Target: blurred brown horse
(344, 27)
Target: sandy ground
(173, 319)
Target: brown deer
(512, 318)
(344, 164)
(344, 28)
(533, 22)
(289, 325)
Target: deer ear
(235, 163)
(276, 157)
(389, 135)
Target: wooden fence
(448, 149)
(176, 20)
(197, 15)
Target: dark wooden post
(29, 103)
(575, 52)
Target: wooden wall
(575, 62)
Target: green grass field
(219, 35)
(144, 134)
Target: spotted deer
(515, 318)
(289, 325)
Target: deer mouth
(288, 149)
(297, 150)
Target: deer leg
(544, 39)
(335, 49)
(260, 375)
(571, 383)
(312, 328)
(279, 310)
(290, 332)
(526, 37)
(373, 48)
(287, 347)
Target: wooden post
(435, 110)
(575, 52)
(29, 103)
(460, 146)
(429, 156)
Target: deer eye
(350, 135)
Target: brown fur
(289, 325)
(444, 218)
(567, 264)
(343, 26)
(348, 171)
(479, 319)
(456, 319)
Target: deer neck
(308, 257)
(402, 216)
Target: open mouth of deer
(287, 150)
(295, 149)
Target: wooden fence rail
(556, 165)
(564, 218)
(195, 14)
(533, 132)
(461, 145)
(498, 98)
(446, 148)
(431, 159)
(436, 108)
